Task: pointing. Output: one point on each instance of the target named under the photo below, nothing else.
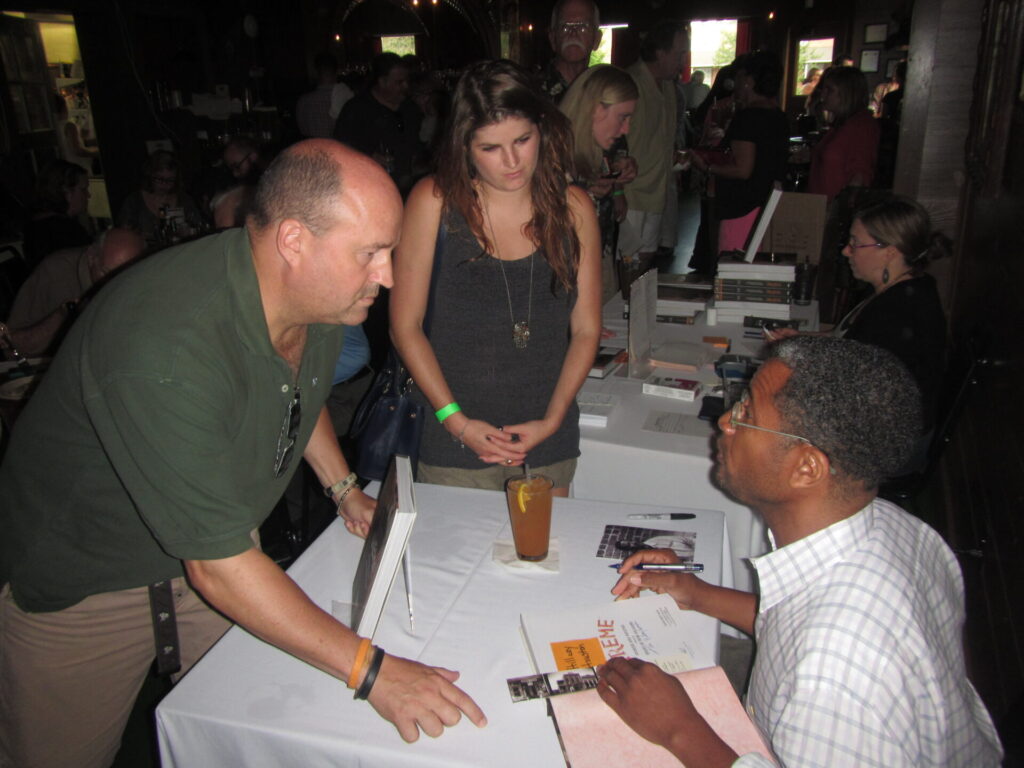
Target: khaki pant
(69, 679)
(493, 477)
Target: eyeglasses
(851, 243)
(168, 180)
(739, 412)
(289, 433)
(579, 27)
(238, 166)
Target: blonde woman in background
(600, 104)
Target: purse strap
(401, 381)
(435, 269)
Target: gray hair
(302, 184)
(856, 402)
(556, 13)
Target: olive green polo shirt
(153, 436)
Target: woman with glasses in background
(891, 243)
(160, 211)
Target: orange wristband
(359, 664)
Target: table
(623, 462)
(247, 703)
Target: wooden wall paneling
(983, 469)
(930, 165)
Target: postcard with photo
(552, 684)
(620, 541)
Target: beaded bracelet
(359, 664)
(371, 674)
(447, 411)
(342, 488)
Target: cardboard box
(798, 226)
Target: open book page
(593, 736)
(652, 628)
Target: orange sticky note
(578, 654)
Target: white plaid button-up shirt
(859, 650)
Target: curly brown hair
(488, 93)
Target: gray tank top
(471, 333)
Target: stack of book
(762, 288)
(681, 298)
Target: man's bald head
(308, 180)
(113, 249)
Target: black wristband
(371, 674)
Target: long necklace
(520, 329)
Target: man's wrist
(341, 489)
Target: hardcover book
(384, 547)
(607, 361)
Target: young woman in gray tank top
(515, 314)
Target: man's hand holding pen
(683, 587)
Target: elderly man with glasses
(860, 609)
(574, 34)
(164, 433)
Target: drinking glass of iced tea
(529, 510)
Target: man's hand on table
(416, 697)
(655, 705)
(357, 511)
(683, 587)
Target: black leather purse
(388, 420)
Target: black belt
(165, 628)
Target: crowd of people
(180, 400)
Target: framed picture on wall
(875, 33)
(890, 68)
(869, 61)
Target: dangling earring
(885, 276)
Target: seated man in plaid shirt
(860, 608)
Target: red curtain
(744, 34)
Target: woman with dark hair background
(62, 198)
(516, 311)
(758, 144)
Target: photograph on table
(552, 684)
(620, 541)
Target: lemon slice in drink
(523, 497)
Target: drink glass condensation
(529, 511)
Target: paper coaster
(504, 553)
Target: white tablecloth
(249, 704)
(624, 462)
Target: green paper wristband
(617, 192)
(447, 411)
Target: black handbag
(388, 420)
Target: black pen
(678, 567)
(664, 516)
